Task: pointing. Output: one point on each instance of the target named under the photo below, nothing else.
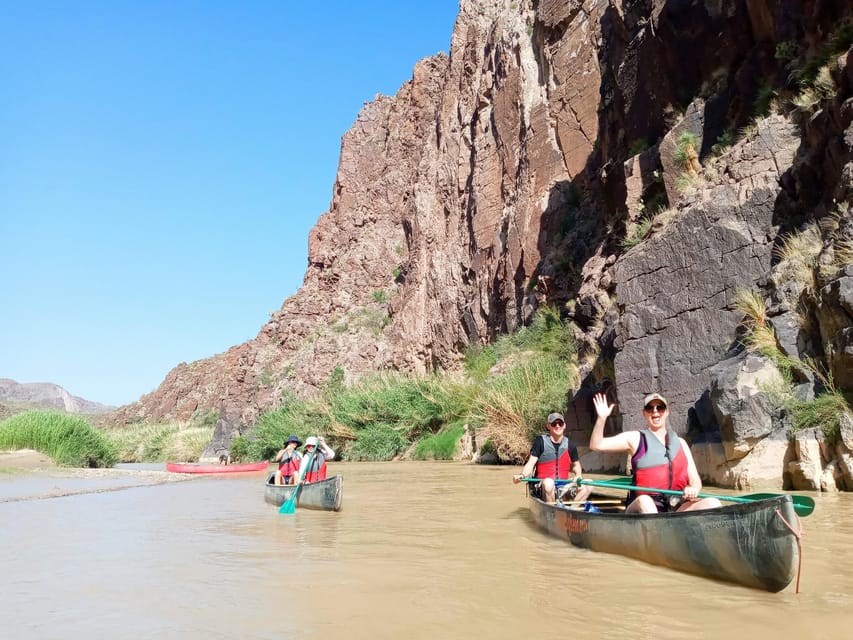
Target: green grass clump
(687, 142)
(525, 394)
(383, 416)
(181, 442)
(764, 95)
(407, 406)
(837, 43)
(68, 439)
(797, 255)
(441, 446)
(640, 231)
(548, 334)
(825, 411)
(751, 304)
(378, 442)
(239, 449)
(511, 408)
(724, 141)
(479, 359)
(301, 418)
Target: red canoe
(194, 467)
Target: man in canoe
(660, 459)
(288, 461)
(314, 467)
(553, 457)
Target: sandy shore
(29, 475)
(24, 460)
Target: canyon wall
(512, 171)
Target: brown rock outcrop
(502, 176)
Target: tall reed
(70, 440)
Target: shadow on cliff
(653, 67)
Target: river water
(420, 550)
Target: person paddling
(553, 457)
(660, 459)
(314, 468)
(289, 460)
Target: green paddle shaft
(803, 505)
(289, 505)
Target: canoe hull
(744, 543)
(193, 467)
(325, 495)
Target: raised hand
(603, 409)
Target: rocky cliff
(544, 160)
(45, 395)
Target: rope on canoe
(798, 534)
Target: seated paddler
(660, 459)
(288, 461)
(314, 457)
(553, 458)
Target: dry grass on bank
(174, 441)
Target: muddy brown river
(420, 550)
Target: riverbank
(31, 475)
(24, 460)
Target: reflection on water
(420, 550)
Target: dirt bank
(29, 475)
(24, 460)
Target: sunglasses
(557, 423)
(655, 407)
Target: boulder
(739, 401)
(835, 317)
(806, 469)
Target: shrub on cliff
(507, 389)
(825, 411)
(510, 409)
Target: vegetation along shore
(493, 407)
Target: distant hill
(16, 397)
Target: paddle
(803, 505)
(289, 505)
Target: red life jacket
(317, 469)
(289, 466)
(659, 466)
(553, 464)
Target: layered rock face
(48, 395)
(510, 173)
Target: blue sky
(162, 164)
